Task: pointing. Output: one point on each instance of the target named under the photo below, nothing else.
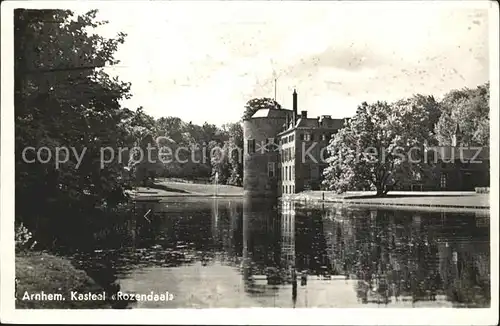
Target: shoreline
(441, 200)
(39, 273)
(432, 200)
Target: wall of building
(458, 178)
(287, 166)
(309, 159)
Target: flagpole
(275, 80)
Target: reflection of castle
(260, 234)
(288, 235)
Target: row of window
(271, 144)
(287, 139)
(288, 189)
(288, 173)
(311, 137)
(287, 154)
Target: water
(234, 253)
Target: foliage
(22, 236)
(469, 109)
(396, 128)
(64, 99)
(256, 104)
(372, 151)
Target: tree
(64, 99)
(235, 154)
(374, 149)
(232, 151)
(469, 108)
(256, 104)
(221, 168)
(433, 109)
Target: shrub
(22, 236)
(482, 190)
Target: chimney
(303, 114)
(294, 105)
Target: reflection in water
(229, 253)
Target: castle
(284, 152)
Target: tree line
(460, 118)
(64, 98)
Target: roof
(271, 113)
(460, 153)
(314, 123)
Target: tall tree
(64, 99)
(469, 109)
(374, 149)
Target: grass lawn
(167, 188)
(437, 199)
(37, 272)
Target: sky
(203, 61)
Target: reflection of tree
(310, 243)
(405, 254)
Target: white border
(395, 316)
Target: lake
(211, 253)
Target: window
(293, 172)
(290, 173)
(286, 172)
(324, 137)
(284, 189)
(301, 136)
(251, 146)
(307, 137)
(443, 181)
(270, 169)
(313, 173)
(271, 145)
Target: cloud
(203, 62)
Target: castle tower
(260, 152)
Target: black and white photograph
(248, 162)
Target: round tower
(260, 153)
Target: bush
(22, 236)
(482, 190)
